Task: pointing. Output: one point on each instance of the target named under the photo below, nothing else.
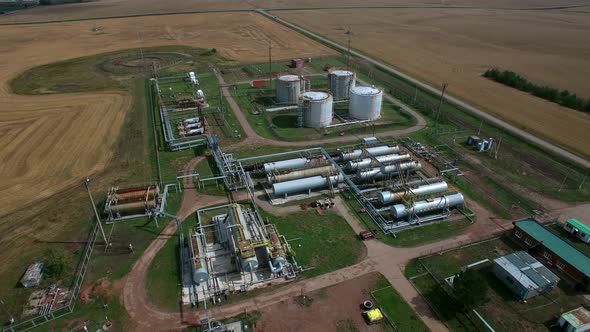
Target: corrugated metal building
(33, 275)
(578, 229)
(524, 275)
(555, 251)
(577, 320)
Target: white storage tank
(340, 82)
(317, 109)
(365, 103)
(288, 89)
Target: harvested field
(51, 141)
(456, 46)
(109, 8)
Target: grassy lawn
(395, 307)
(326, 243)
(163, 279)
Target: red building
(555, 251)
(297, 63)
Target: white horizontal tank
(340, 82)
(317, 109)
(365, 103)
(288, 89)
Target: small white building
(577, 320)
(578, 229)
(33, 275)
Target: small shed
(578, 229)
(297, 63)
(577, 320)
(33, 275)
(524, 275)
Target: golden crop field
(456, 46)
(50, 142)
(107, 8)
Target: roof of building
(525, 269)
(579, 225)
(556, 244)
(577, 317)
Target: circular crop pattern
(131, 64)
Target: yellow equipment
(373, 315)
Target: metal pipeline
(399, 211)
(353, 165)
(387, 197)
(373, 151)
(305, 184)
(387, 169)
(304, 173)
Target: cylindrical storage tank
(340, 82)
(193, 125)
(191, 120)
(200, 275)
(137, 207)
(373, 151)
(353, 165)
(288, 89)
(305, 184)
(365, 103)
(317, 109)
(304, 173)
(387, 197)
(285, 164)
(413, 165)
(136, 195)
(197, 131)
(399, 211)
(249, 264)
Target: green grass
(163, 279)
(327, 242)
(397, 310)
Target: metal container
(288, 89)
(191, 120)
(340, 82)
(353, 165)
(137, 207)
(317, 109)
(384, 170)
(304, 173)
(373, 151)
(399, 211)
(365, 103)
(283, 165)
(249, 264)
(136, 195)
(193, 125)
(388, 197)
(196, 131)
(305, 184)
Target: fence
(69, 307)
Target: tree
(56, 263)
(471, 289)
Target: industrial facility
(386, 179)
(232, 249)
(316, 107)
(135, 202)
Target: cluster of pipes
(190, 127)
(306, 174)
(132, 200)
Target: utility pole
(104, 237)
(349, 33)
(442, 96)
(270, 64)
(7, 313)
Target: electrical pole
(349, 33)
(104, 237)
(270, 64)
(442, 96)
